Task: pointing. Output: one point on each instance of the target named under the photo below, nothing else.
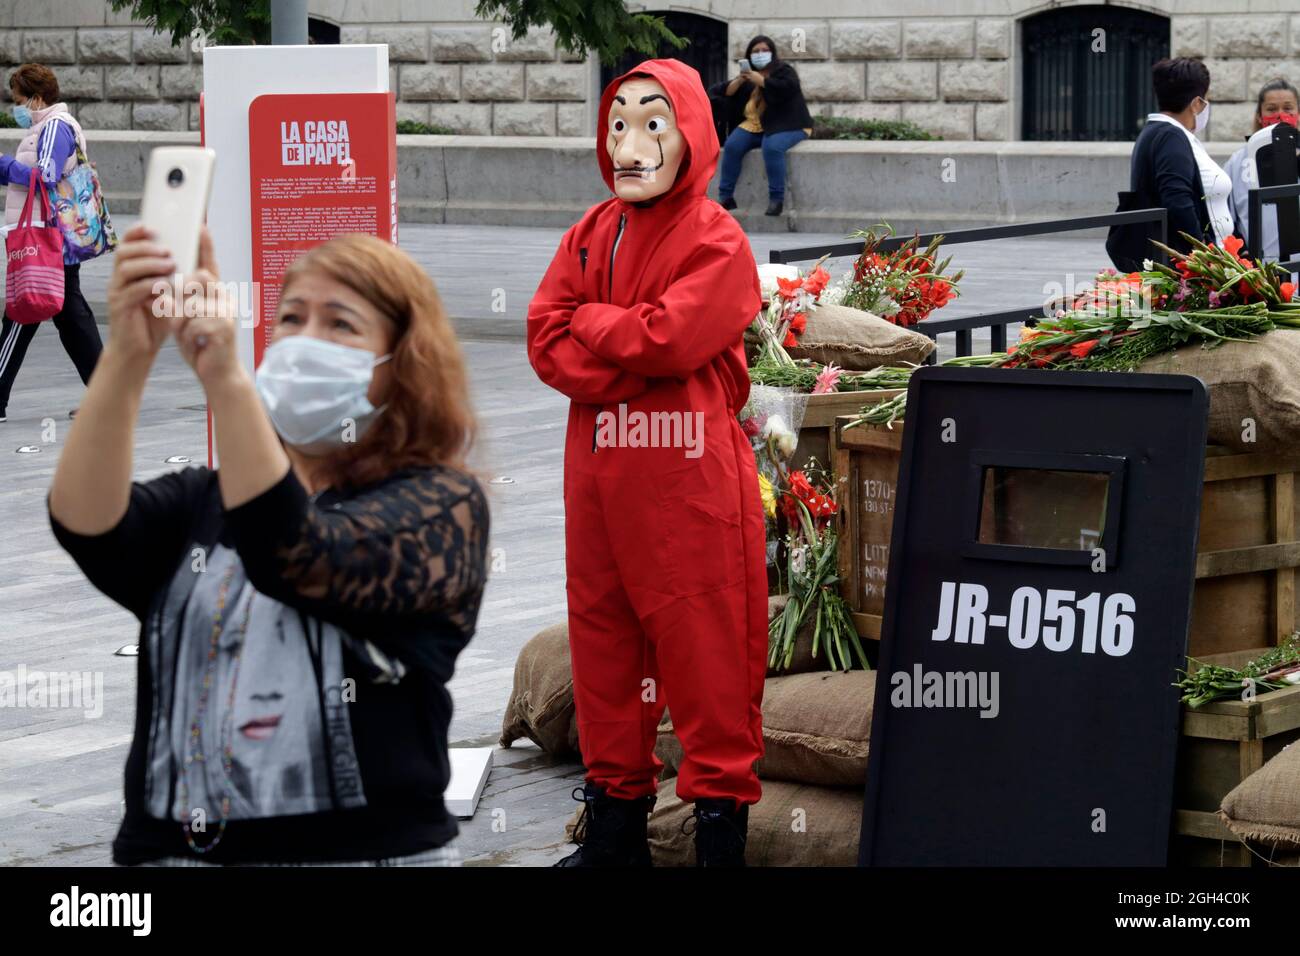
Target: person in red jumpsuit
(639, 321)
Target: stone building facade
(953, 67)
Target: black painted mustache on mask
(642, 170)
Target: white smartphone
(744, 65)
(175, 202)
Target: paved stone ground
(60, 773)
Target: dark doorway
(706, 49)
(1072, 90)
(322, 31)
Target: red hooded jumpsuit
(667, 586)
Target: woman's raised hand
(139, 295)
(205, 325)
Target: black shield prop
(1041, 572)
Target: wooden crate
(819, 420)
(1248, 551)
(867, 458)
(1222, 743)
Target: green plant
(842, 127)
(424, 129)
(801, 375)
(7, 120)
(605, 26)
(1202, 682)
(225, 22)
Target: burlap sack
(1249, 382)
(668, 748)
(792, 825)
(857, 340)
(816, 730)
(541, 704)
(1265, 807)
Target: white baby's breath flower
(1147, 265)
(834, 293)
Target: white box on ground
(470, 767)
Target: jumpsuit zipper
(622, 221)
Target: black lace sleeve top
(294, 654)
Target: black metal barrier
(996, 322)
(1257, 199)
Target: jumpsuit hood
(693, 114)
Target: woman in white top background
(1181, 86)
(1277, 102)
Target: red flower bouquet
(903, 286)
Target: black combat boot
(720, 832)
(610, 831)
(774, 207)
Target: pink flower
(827, 379)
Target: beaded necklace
(196, 754)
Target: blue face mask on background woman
(22, 116)
(760, 60)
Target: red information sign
(321, 165)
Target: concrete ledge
(832, 185)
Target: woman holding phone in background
(302, 606)
(764, 107)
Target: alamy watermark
(53, 689)
(133, 911)
(946, 689)
(185, 298)
(651, 430)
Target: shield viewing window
(1042, 508)
(1073, 90)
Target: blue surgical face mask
(22, 116)
(760, 60)
(315, 392)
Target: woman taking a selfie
(303, 605)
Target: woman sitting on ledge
(763, 106)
